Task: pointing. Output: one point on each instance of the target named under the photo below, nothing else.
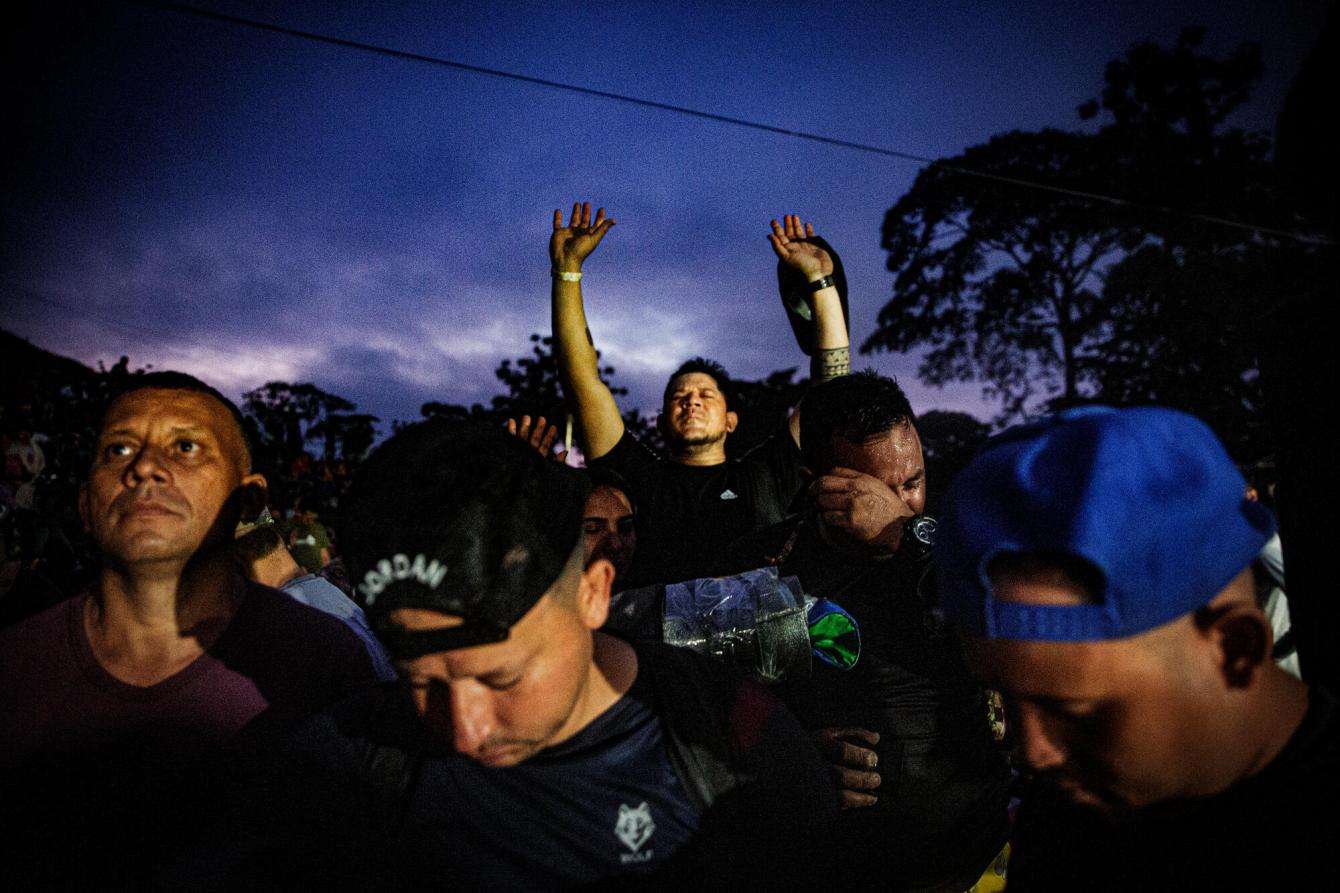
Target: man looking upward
(693, 502)
(122, 706)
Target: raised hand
(852, 761)
(861, 508)
(572, 244)
(788, 241)
(540, 437)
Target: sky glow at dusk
(249, 206)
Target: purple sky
(249, 206)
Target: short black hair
(1059, 567)
(601, 476)
(854, 407)
(706, 367)
(168, 380)
(255, 544)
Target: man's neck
(1278, 711)
(699, 454)
(148, 622)
(613, 668)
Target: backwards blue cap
(1147, 496)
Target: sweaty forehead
(893, 456)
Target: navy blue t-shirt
(604, 802)
(363, 796)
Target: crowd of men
(472, 711)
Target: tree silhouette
(288, 415)
(948, 442)
(533, 388)
(1002, 283)
(354, 433)
(1052, 300)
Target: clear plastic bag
(755, 621)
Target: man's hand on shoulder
(861, 507)
(849, 754)
(570, 245)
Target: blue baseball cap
(1147, 496)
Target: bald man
(122, 706)
(1099, 566)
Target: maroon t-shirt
(85, 755)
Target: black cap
(795, 291)
(462, 518)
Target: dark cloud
(251, 207)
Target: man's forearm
(830, 362)
(572, 338)
(597, 414)
(832, 350)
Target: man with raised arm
(692, 503)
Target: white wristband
(566, 276)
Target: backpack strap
(694, 697)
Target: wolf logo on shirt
(634, 826)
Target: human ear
(252, 494)
(1243, 637)
(732, 422)
(593, 593)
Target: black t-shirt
(687, 515)
(944, 790)
(1275, 830)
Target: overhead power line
(725, 119)
(24, 293)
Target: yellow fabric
(993, 879)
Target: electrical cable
(406, 55)
(23, 292)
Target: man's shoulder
(41, 662)
(693, 692)
(32, 638)
(762, 547)
(708, 703)
(318, 592)
(630, 457)
(777, 445)
(348, 731)
(1310, 761)
(272, 624)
